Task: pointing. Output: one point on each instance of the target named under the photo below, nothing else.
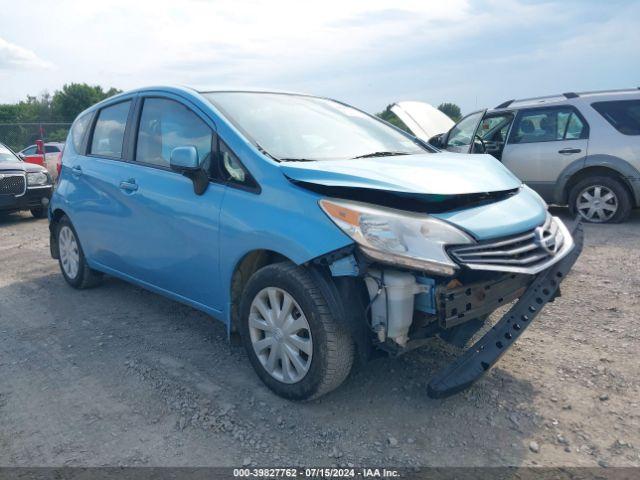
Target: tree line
(61, 107)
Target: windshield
(297, 127)
(7, 155)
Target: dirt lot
(120, 376)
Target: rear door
(98, 209)
(542, 143)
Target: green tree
(451, 110)
(76, 97)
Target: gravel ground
(120, 376)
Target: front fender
(286, 220)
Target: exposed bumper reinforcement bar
(479, 358)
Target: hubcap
(69, 253)
(597, 203)
(280, 335)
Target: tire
(82, 276)
(332, 349)
(598, 188)
(39, 212)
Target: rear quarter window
(623, 115)
(78, 131)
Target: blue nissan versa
(319, 234)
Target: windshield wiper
(381, 154)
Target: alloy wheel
(597, 203)
(280, 335)
(69, 252)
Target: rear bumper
(479, 358)
(34, 197)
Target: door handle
(76, 170)
(568, 151)
(129, 186)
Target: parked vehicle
(576, 149)
(23, 186)
(318, 233)
(49, 155)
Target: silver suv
(575, 149)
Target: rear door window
(624, 115)
(548, 125)
(166, 124)
(108, 134)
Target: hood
(21, 167)
(424, 120)
(442, 173)
(474, 192)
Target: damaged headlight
(397, 237)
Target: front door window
(165, 125)
(461, 136)
(492, 134)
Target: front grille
(528, 252)
(12, 184)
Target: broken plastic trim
(412, 202)
(469, 367)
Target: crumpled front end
(482, 355)
(407, 306)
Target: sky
(366, 53)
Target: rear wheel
(71, 258)
(293, 341)
(600, 199)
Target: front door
(542, 143)
(172, 233)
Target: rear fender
(628, 172)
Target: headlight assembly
(37, 179)
(397, 237)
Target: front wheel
(293, 341)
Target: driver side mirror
(185, 161)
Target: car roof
(184, 91)
(564, 97)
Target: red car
(46, 154)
